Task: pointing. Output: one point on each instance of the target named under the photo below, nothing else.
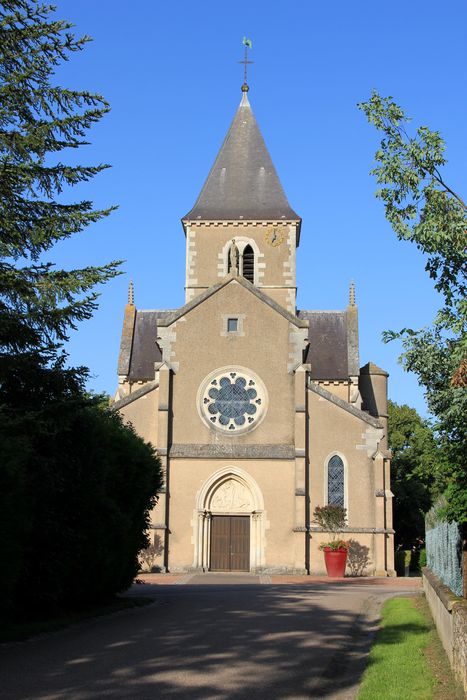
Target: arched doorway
(229, 523)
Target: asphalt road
(221, 640)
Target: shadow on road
(205, 642)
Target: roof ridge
(321, 311)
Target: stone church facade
(259, 411)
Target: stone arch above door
(234, 483)
(231, 496)
(229, 491)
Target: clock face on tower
(232, 400)
(274, 236)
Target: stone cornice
(199, 451)
(240, 222)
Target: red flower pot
(335, 560)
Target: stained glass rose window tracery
(232, 401)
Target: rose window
(232, 400)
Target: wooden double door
(230, 543)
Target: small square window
(232, 325)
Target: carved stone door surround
(229, 491)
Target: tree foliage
(419, 205)
(39, 122)
(422, 208)
(76, 485)
(417, 472)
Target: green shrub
(422, 559)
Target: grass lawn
(407, 661)
(15, 630)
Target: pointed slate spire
(243, 183)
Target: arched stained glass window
(248, 269)
(336, 481)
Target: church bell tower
(242, 208)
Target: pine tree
(65, 462)
(39, 120)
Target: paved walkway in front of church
(216, 636)
(399, 584)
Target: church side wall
(142, 414)
(332, 431)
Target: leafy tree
(422, 208)
(417, 472)
(38, 122)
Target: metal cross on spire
(248, 44)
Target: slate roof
(243, 183)
(140, 351)
(144, 349)
(328, 349)
(328, 335)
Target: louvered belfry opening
(248, 268)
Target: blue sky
(170, 72)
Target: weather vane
(248, 44)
